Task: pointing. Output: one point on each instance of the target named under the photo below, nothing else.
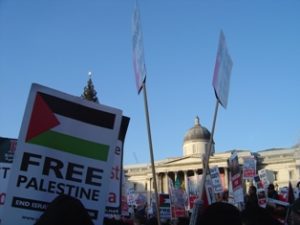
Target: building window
(291, 174)
(146, 186)
(134, 186)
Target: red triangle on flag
(42, 118)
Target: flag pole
(151, 153)
(205, 158)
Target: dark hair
(220, 213)
(253, 188)
(271, 186)
(65, 210)
(256, 215)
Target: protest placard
(65, 146)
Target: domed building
(283, 163)
(196, 140)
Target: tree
(89, 92)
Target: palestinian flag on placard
(53, 120)
(164, 200)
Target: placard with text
(65, 146)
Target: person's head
(253, 214)
(220, 213)
(252, 190)
(65, 210)
(271, 187)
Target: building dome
(196, 139)
(197, 132)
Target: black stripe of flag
(79, 112)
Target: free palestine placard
(65, 146)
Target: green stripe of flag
(70, 144)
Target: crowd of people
(66, 210)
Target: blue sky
(56, 43)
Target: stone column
(166, 183)
(158, 183)
(226, 178)
(150, 186)
(162, 177)
(195, 172)
(185, 179)
(148, 190)
(186, 183)
(161, 182)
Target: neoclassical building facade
(283, 162)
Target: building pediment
(184, 160)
